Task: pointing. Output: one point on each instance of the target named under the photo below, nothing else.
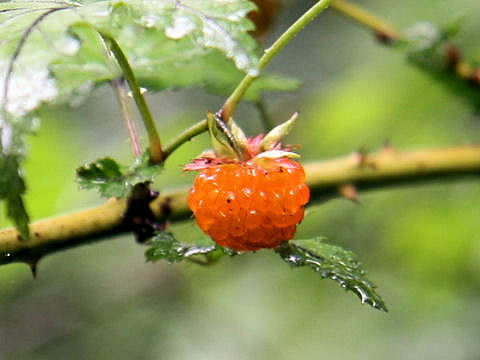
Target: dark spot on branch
(139, 217)
(452, 56)
(362, 156)
(383, 37)
(166, 208)
(475, 78)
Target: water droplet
(364, 296)
(149, 20)
(181, 27)
(142, 91)
(28, 88)
(68, 45)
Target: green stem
(185, 136)
(367, 19)
(232, 102)
(156, 152)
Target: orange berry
(250, 205)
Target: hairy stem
(330, 178)
(120, 91)
(230, 105)
(156, 152)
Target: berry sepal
(274, 136)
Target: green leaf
(164, 246)
(12, 150)
(52, 52)
(114, 180)
(332, 262)
(12, 187)
(104, 175)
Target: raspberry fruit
(254, 200)
(248, 206)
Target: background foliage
(421, 245)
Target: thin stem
(118, 85)
(232, 102)
(156, 152)
(366, 18)
(325, 178)
(185, 136)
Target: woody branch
(329, 178)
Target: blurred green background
(421, 245)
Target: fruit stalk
(230, 105)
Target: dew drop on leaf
(181, 27)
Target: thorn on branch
(475, 78)
(361, 156)
(455, 63)
(33, 264)
(387, 147)
(452, 56)
(349, 192)
(384, 38)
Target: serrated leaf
(104, 175)
(219, 24)
(215, 73)
(114, 180)
(332, 262)
(164, 246)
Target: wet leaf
(55, 44)
(114, 180)
(332, 262)
(164, 246)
